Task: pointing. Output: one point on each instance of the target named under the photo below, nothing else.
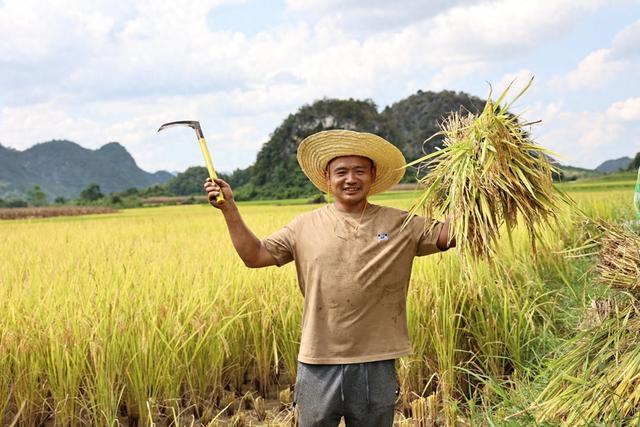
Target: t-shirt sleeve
(426, 238)
(281, 244)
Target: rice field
(148, 317)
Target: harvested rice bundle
(619, 259)
(596, 379)
(488, 172)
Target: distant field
(405, 192)
(617, 181)
(624, 181)
(51, 211)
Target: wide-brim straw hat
(316, 151)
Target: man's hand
(213, 188)
(443, 242)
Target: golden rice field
(147, 316)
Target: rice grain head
(489, 174)
(619, 259)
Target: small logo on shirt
(382, 237)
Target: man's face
(350, 178)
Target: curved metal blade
(191, 123)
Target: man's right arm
(247, 245)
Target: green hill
(417, 118)
(615, 165)
(64, 168)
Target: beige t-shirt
(354, 280)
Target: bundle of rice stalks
(619, 259)
(596, 380)
(487, 174)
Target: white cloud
(597, 130)
(447, 75)
(100, 71)
(133, 50)
(595, 71)
(372, 16)
(600, 67)
(587, 138)
(626, 44)
(504, 28)
(22, 126)
(36, 30)
(627, 110)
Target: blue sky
(101, 71)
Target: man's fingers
(209, 185)
(221, 182)
(213, 191)
(217, 188)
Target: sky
(99, 71)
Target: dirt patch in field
(51, 211)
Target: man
(353, 261)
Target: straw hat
(316, 151)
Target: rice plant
(489, 174)
(619, 259)
(596, 378)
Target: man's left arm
(443, 242)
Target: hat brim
(316, 151)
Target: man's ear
(373, 173)
(328, 180)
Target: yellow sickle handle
(212, 171)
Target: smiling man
(353, 260)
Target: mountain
(406, 124)
(64, 168)
(417, 118)
(615, 165)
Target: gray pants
(363, 393)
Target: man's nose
(351, 176)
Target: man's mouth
(351, 190)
